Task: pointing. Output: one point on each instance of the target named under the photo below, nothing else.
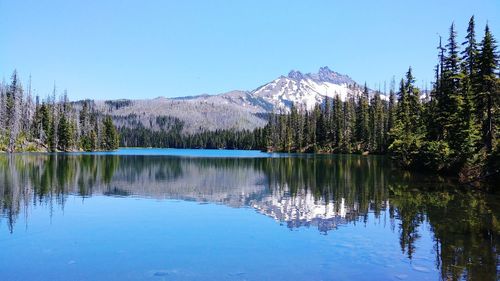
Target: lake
(166, 214)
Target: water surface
(233, 215)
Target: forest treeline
(451, 128)
(28, 124)
(141, 136)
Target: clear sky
(142, 49)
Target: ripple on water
(420, 268)
(162, 273)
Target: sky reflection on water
(112, 217)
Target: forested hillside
(234, 110)
(50, 124)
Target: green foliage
(65, 134)
(52, 126)
(487, 95)
(445, 132)
(405, 146)
(219, 139)
(362, 121)
(110, 139)
(4, 141)
(456, 123)
(435, 155)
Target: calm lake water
(148, 214)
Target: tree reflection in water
(309, 191)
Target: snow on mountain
(236, 109)
(306, 90)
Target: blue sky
(143, 49)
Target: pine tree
(468, 130)
(362, 118)
(46, 120)
(27, 125)
(12, 112)
(440, 101)
(64, 131)
(376, 124)
(3, 127)
(321, 126)
(414, 104)
(392, 111)
(487, 96)
(403, 113)
(54, 122)
(470, 53)
(110, 139)
(338, 124)
(448, 97)
(349, 125)
(406, 134)
(327, 118)
(36, 125)
(296, 128)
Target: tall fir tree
(337, 121)
(392, 109)
(487, 96)
(363, 122)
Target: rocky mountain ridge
(235, 109)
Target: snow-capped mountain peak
(295, 75)
(238, 109)
(306, 90)
(326, 75)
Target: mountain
(235, 109)
(306, 90)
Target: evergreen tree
(407, 138)
(27, 125)
(321, 127)
(451, 86)
(377, 123)
(46, 120)
(392, 106)
(470, 53)
(488, 92)
(349, 125)
(362, 118)
(327, 119)
(64, 131)
(12, 112)
(467, 129)
(468, 134)
(414, 105)
(2, 111)
(110, 139)
(338, 124)
(37, 120)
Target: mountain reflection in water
(323, 192)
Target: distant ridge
(235, 109)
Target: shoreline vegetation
(50, 125)
(450, 129)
